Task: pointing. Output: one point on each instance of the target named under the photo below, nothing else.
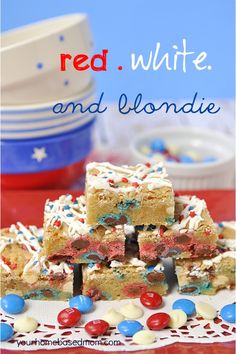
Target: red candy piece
(124, 180)
(135, 184)
(96, 327)
(158, 321)
(57, 223)
(192, 214)
(151, 300)
(69, 317)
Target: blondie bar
(68, 237)
(192, 235)
(123, 280)
(25, 272)
(128, 195)
(207, 276)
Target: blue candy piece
(82, 303)
(12, 303)
(6, 331)
(158, 145)
(209, 159)
(186, 159)
(129, 327)
(185, 305)
(228, 313)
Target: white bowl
(35, 121)
(31, 60)
(184, 176)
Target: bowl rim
(178, 167)
(40, 107)
(50, 139)
(67, 21)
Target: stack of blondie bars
(111, 242)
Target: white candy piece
(131, 311)
(144, 337)
(178, 318)
(194, 155)
(113, 317)
(158, 157)
(25, 324)
(173, 149)
(145, 149)
(205, 310)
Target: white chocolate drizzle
(191, 215)
(65, 211)
(132, 262)
(31, 239)
(151, 176)
(227, 243)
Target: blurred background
(196, 149)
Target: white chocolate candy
(145, 150)
(113, 317)
(131, 311)
(144, 337)
(205, 310)
(25, 324)
(173, 149)
(194, 155)
(178, 318)
(158, 157)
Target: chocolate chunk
(80, 244)
(211, 273)
(189, 290)
(103, 249)
(94, 257)
(110, 221)
(160, 248)
(116, 221)
(59, 258)
(204, 252)
(94, 294)
(122, 220)
(57, 276)
(155, 277)
(31, 295)
(182, 239)
(47, 293)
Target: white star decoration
(39, 154)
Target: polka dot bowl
(49, 162)
(217, 173)
(31, 59)
(40, 120)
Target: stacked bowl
(41, 147)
